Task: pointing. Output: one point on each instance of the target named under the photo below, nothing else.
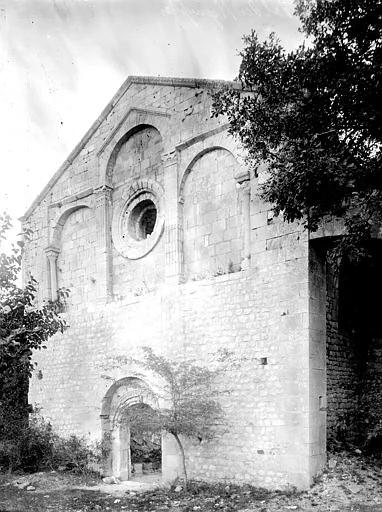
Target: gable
(125, 110)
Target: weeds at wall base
(38, 448)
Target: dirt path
(349, 484)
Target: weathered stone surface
(354, 349)
(196, 291)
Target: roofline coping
(131, 79)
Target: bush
(39, 448)
(361, 428)
(36, 445)
(77, 454)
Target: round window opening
(138, 222)
(142, 220)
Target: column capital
(103, 191)
(242, 176)
(245, 187)
(169, 158)
(52, 252)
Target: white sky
(61, 61)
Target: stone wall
(265, 441)
(317, 358)
(342, 368)
(183, 297)
(139, 157)
(354, 362)
(76, 264)
(213, 221)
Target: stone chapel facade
(154, 224)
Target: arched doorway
(127, 452)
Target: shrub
(77, 454)
(39, 448)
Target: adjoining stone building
(154, 224)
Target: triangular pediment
(131, 80)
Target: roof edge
(132, 79)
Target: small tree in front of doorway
(190, 407)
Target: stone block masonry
(354, 362)
(156, 228)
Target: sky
(61, 61)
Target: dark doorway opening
(145, 444)
(354, 351)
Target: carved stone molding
(138, 198)
(52, 253)
(169, 158)
(139, 112)
(242, 178)
(102, 203)
(104, 191)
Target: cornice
(72, 198)
(201, 136)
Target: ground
(350, 482)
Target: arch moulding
(54, 246)
(219, 139)
(123, 394)
(134, 120)
(190, 154)
(135, 391)
(62, 216)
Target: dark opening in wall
(360, 285)
(147, 221)
(142, 220)
(145, 443)
(354, 350)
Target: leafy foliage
(188, 400)
(38, 448)
(312, 116)
(24, 328)
(193, 410)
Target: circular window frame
(124, 242)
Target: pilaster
(244, 184)
(52, 253)
(173, 222)
(103, 250)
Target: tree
(188, 397)
(313, 116)
(24, 328)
